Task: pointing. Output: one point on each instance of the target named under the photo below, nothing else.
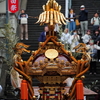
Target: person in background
(72, 18)
(92, 48)
(42, 37)
(74, 40)
(95, 36)
(86, 38)
(97, 90)
(95, 21)
(83, 19)
(65, 38)
(23, 24)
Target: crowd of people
(91, 38)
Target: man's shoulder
(98, 36)
(68, 34)
(85, 35)
(92, 18)
(42, 32)
(86, 10)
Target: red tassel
(79, 90)
(24, 90)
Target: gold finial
(51, 14)
(47, 6)
(59, 7)
(43, 7)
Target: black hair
(96, 13)
(96, 30)
(22, 9)
(71, 9)
(75, 30)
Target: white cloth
(84, 97)
(56, 29)
(15, 80)
(69, 81)
(45, 33)
(23, 20)
(74, 41)
(86, 38)
(0, 88)
(71, 16)
(65, 38)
